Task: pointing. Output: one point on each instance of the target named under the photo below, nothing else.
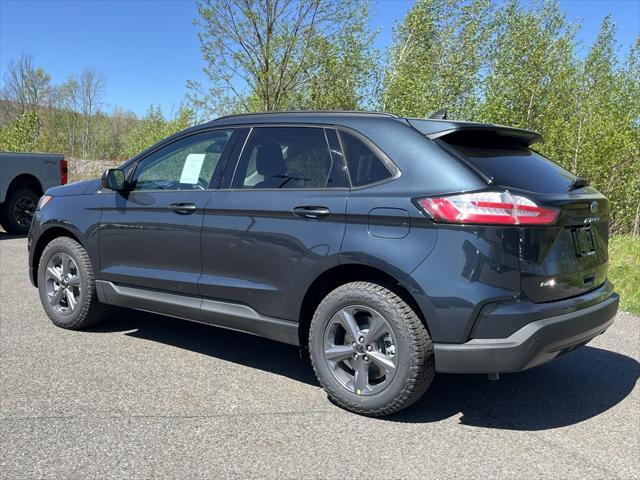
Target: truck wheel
(18, 209)
(369, 349)
(67, 287)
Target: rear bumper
(533, 344)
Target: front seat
(271, 165)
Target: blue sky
(149, 49)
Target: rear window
(516, 166)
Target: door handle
(183, 208)
(312, 213)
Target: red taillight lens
(64, 172)
(501, 208)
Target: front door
(150, 234)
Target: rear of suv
(391, 247)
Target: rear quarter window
(364, 166)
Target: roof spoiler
(438, 128)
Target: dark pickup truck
(24, 177)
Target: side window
(364, 166)
(187, 164)
(289, 157)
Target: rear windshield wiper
(578, 183)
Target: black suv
(391, 247)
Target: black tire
(18, 209)
(88, 311)
(414, 365)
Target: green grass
(624, 270)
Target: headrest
(269, 160)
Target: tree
(531, 66)
(605, 127)
(112, 135)
(20, 135)
(153, 128)
(67, 101)
(631, 102)
(262, 54)
(88, 92)
(25, 86)
(436, 58)
(343, 73)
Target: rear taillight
(501, 208)
(64, 172)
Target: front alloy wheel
(66, 285)
(63, 283)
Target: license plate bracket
(583, 241)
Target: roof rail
(281, 112)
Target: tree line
(502, 62)
(37, 115)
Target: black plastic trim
(232, 316)
(536, 343)
(501, 319)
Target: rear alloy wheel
(360, 350)
(369, 349)
(67, 286)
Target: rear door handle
(312, 213)
(183, 208)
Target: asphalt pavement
(146, 396)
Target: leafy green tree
(606, 124)
(437, 58)
(631, 102)
(344, 71)
(531, 65)
(153, 128)
(269, 54)
(20, 135)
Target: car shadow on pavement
(568, 390)
(236, 347)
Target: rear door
(150, 234)
(280, 222)
(559, 261)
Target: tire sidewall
(9, 221)
(405, 361)
(59, 245)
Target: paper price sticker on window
(192, 167)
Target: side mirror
(114, 179)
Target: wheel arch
(24, 180)
(45, 238)
(340, 275)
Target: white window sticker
(191, 169)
